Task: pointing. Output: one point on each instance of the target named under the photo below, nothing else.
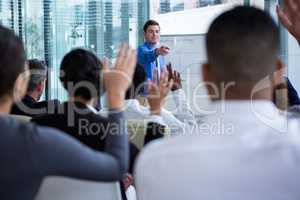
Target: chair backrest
(62, 188)
(137, 132)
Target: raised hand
(158, 92)
(173, 74)
(118, 79)
(290, 17)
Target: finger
(169, 68)
(171, 82)
(121, 56)
(127, 57)
(165, 52)
(149, 86)
(166, 89)
(155, 73)
(105, 64)
(129, 64)
(290, 6)
(165, 47)
(175, 78)
(132, 60)
(283, 18)
(175, 74)
(164, 77)
(152, 89)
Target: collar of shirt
(150, 45)
(92, 109)
(235, 107)
(243, 115)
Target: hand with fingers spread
(290, 17)
(173, 74)
(158, 92)
(118, 79)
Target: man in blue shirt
(149, 55)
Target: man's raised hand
(289, 16)
(118, 79)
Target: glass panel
(50, 28)
(166, 6)
(34, 33)
(6, 14)
(98, 25)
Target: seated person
(29, 152)
(30, 104)
(81, 71)
(245, 149)
(177, 122)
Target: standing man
(149, 55)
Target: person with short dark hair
(245, 149)
(81, 77)
(30, 104)
(149, 55)
(29, 153)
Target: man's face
(152, 34)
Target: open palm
(289, 16)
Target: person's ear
(20, 86)
(40, 86)
(278, 76)
(280, 93)
(206, 72)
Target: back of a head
(80, 73)
(38, 73)
(12, 60)
(243, 45)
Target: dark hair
(150, 23)
(38, 73)
(81, 68)
(242, 45)
(138, 83)
(12, 60)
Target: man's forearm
(146, 56)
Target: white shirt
(178, 121)
(247, 151)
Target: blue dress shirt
(148, 58)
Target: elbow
(121, 170)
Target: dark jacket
(292, 94)
(78, 121)
(29, 153)
(29, 107)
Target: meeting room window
(166, 6)
(51, 28)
